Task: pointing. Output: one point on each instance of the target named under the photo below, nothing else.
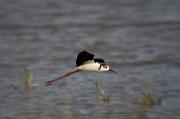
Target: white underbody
(94, 66)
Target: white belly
(90, 67)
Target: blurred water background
(140, 39)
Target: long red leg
(62, 77)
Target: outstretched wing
(83, 57)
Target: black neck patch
(99, 60)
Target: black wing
(83, 57)
(99, 60)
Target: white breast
(90, 67)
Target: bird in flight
(85, 62)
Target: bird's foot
(48, 83)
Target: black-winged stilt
(85, 62)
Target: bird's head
(105, 67)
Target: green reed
(26, 76)
(147, 99)
(103, 95)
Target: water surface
(139, 39)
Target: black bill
(113, 71)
